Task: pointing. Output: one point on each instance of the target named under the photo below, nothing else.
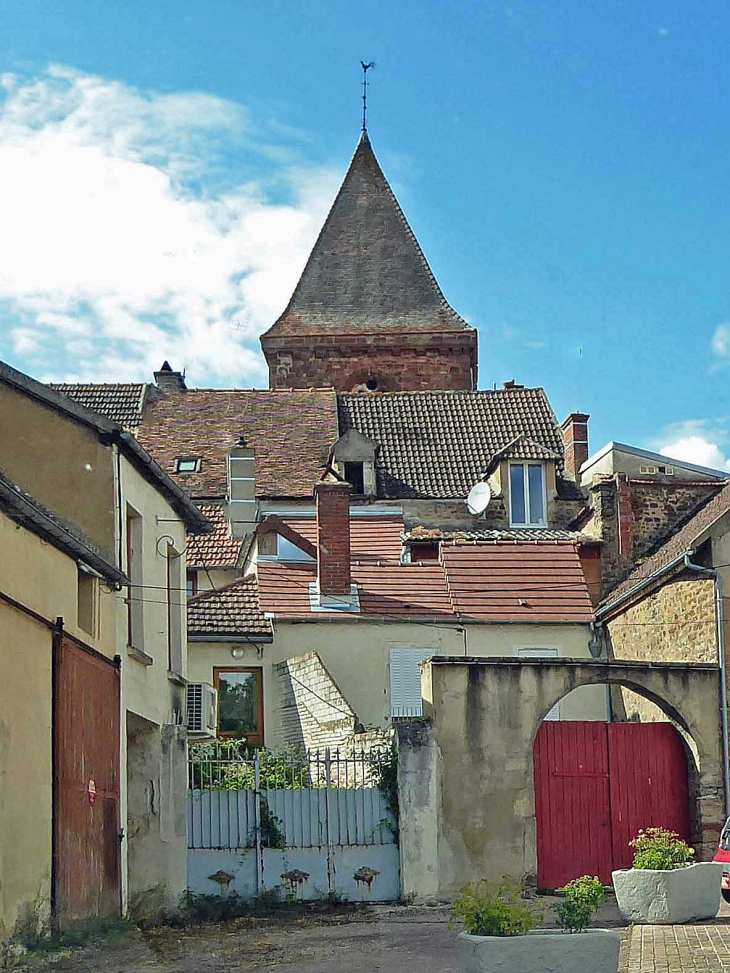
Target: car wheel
(726, 894)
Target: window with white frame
(405, 680)
(543, 653)
(527, 495)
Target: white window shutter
(405, 681)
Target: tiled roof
(679, 543)
(538, 582)
(366, 272)
(396, 590)
(290, 430)
(371, 538)
(231, 610)
(529, 534)
(517, 582)
(215, 550)
(438, 444)
(121, 403)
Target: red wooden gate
(86, 754)
(596, 785)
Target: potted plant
(666, 885)
(500, 935)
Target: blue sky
(165, 168)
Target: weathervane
(365, 69)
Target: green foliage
(494, 909)
(583, 897)
(658, 849)
(228, 765)
(383, 762)
(272, 835)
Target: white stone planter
(540, 951)
(680, 895)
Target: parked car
(723, 855)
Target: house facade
(94, 577)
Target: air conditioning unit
(202, 709)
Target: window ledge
(175, 677)
(139, 656)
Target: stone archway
(475, 817)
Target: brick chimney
(169, 381)
(333, 537)
(575, 439)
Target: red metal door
(572, 802)
(596, 785)
(648, 783)
(86, 754)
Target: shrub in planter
(500, 937)
(664, 885)
(583, 897)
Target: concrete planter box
(540, 951)
(680, 895)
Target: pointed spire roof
(367, 272)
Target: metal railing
(285, 799)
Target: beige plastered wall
(154, 781)
(356, 654)
(60, 462)
(44, 579)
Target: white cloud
(697, 441)
(126, 238)
(721, 341)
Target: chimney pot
(575, 440)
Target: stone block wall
(633, 516)
(312, 710)
(389, 362)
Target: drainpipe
(723, 681)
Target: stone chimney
(575, 439)
(169, 381)
(333, 537)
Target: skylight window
(187, 464)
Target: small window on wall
(527, 498)
(187, 464)
(88, 593)
(355, 477)
(240, 704)
(191, 583)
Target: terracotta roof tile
(528, 534)
(517, 582)
(231, 610)
(396, 590)
(366, 271)
(290, 430)
(215, 550)
(371, 538)
(121, 402)
(679, 543)
(438, 444)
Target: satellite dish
(478, 499)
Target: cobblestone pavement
(677, 949)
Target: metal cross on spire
(365, 69)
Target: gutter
(712, 573)
(644, 583)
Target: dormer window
(527, 495)
(355, 476)
(424, 551)
(187, 464)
